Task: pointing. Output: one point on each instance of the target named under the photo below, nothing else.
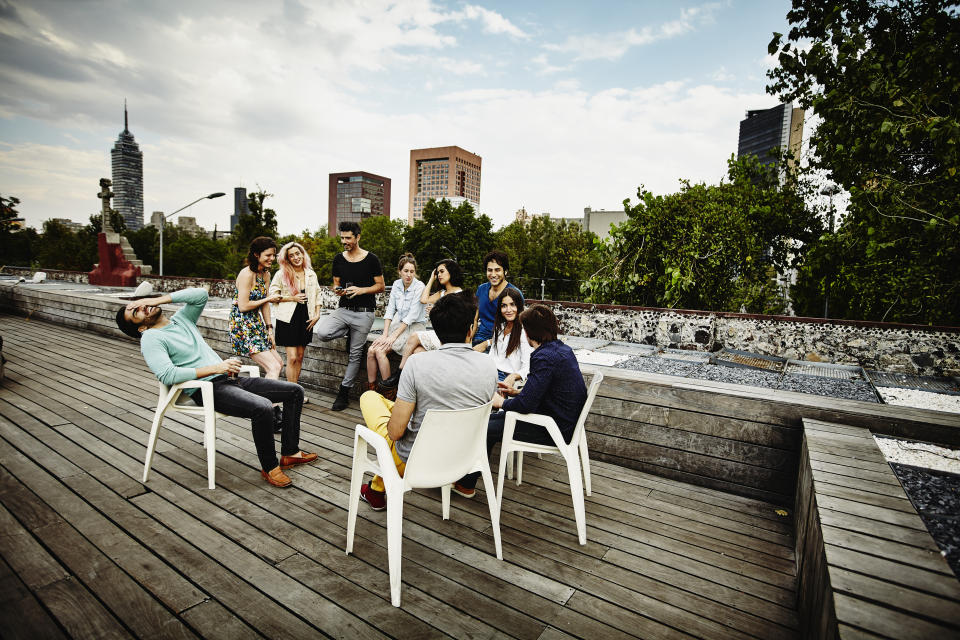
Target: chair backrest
(591, 394)
(447, 446)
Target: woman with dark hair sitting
(508, 347)
(449, 276)
(554, 388)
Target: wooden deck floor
(86, 550)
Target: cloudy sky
(570, 104)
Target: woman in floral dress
(250, 328)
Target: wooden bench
(866, 564)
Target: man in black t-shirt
(357, 278)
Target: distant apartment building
(127, 168)
(68, 224)
(241, 206)
(442, 172)
(599, 222)
(186, 224)
(763, 130)
(355, 196)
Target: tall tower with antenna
(127, 165)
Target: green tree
(61, 248)
(445, 230)
(712, 247)
(559, 254)
(146, 244)
(17, 244)
(882, 79)
(198, 256)
(321, 248)
(384, 237)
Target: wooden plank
(940, 584)
(67, 600)
(21, 616)
(864, 587)
(887, 622)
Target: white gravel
(920, 399)
(920, 454)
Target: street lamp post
(830, 190)
(163, 221)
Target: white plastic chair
(168, 401)
(575, 454)
(449, 445)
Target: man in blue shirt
(496, 264)
(176, 352)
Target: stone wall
(882, 346)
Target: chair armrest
(382, 449)
(510, 422)
(252, 370)
(191, 384)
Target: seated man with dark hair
(554, 388)
(176, 352)
(452, 377)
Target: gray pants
(337, 325)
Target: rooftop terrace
(89, 551)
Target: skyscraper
(442, 172)
(765, 129)
(355, 196)
(241, 206)
(127, 167)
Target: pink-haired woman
(299, 306)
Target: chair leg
(585, 461)
(493, 502)
(519, 456)
(356, 479)
(505, 466)
(576, 493)
(445, 500)
(152, 441)
(394, 540)
(210, 443)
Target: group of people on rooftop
(481, 347)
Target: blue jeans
(523, 431)
(253, 398)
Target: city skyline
(275, 95)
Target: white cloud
(543, 67)
(492, 21)
(612, 46)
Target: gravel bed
(936, 497)
(833, 387)
(701, 371)
(920, 399)
(816, 385)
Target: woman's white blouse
(516, 362)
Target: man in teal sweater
(176, 352)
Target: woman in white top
(508, 346)
(449, 276)
(299, 305)
(404, 317)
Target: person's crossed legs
(253, 398)
(376, 414)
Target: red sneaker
(376, 499)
